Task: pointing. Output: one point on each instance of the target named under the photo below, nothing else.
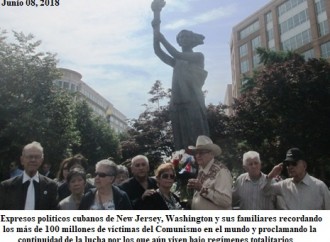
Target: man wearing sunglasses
(301, 191)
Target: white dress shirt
(30, 195)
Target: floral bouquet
(185, 168)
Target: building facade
(228, 99)
(71, 81)
(296, 25)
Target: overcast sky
(109, 42)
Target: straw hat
(205, 143)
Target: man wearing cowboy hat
(213, 184)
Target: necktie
(29, 201)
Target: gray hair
(31, 145)
(139, 157)
(122, 169)
(250, 155)
(111, 165)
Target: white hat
(205, 143)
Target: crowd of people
(35, 188)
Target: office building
(296, 25)
(71, 81)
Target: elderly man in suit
(213, 184)
(31, 190)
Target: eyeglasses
(290, 163)
(140, 165)
(167, 176)
(201, 152)
(102, 174)
(31, 157)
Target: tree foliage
(221, 132)
(269, 57)
(158, 93)
(29, 107)
(151, 133)
(32, 108)
(98, 140)
(288, 107)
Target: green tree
(62, 133)
(288, 107)
(151, 133)
(30, 109)
(98, 140)
(221, 132)
(158, 93)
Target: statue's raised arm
(156, 7)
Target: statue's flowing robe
(187, 106)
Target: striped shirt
(248, 194)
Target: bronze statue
(187, 104)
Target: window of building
(256, 61)
(297, 41)
(309, 54)
(243, 50)
(59, 83)
(65, 85)
(272, 47)
(249, 30)
(294, 21)
(288, 5)
(256, 42)
(269, 17)
(325, 50)
(244, 66)
(73, 87)
(323, 28)
(306, 37)
(270, 34)
(320, 6)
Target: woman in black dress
(163, 198)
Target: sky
(109, 42)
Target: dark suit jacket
(156, 202)
(13, 194)
(134, 190)
(51, 175)
(120, 199)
